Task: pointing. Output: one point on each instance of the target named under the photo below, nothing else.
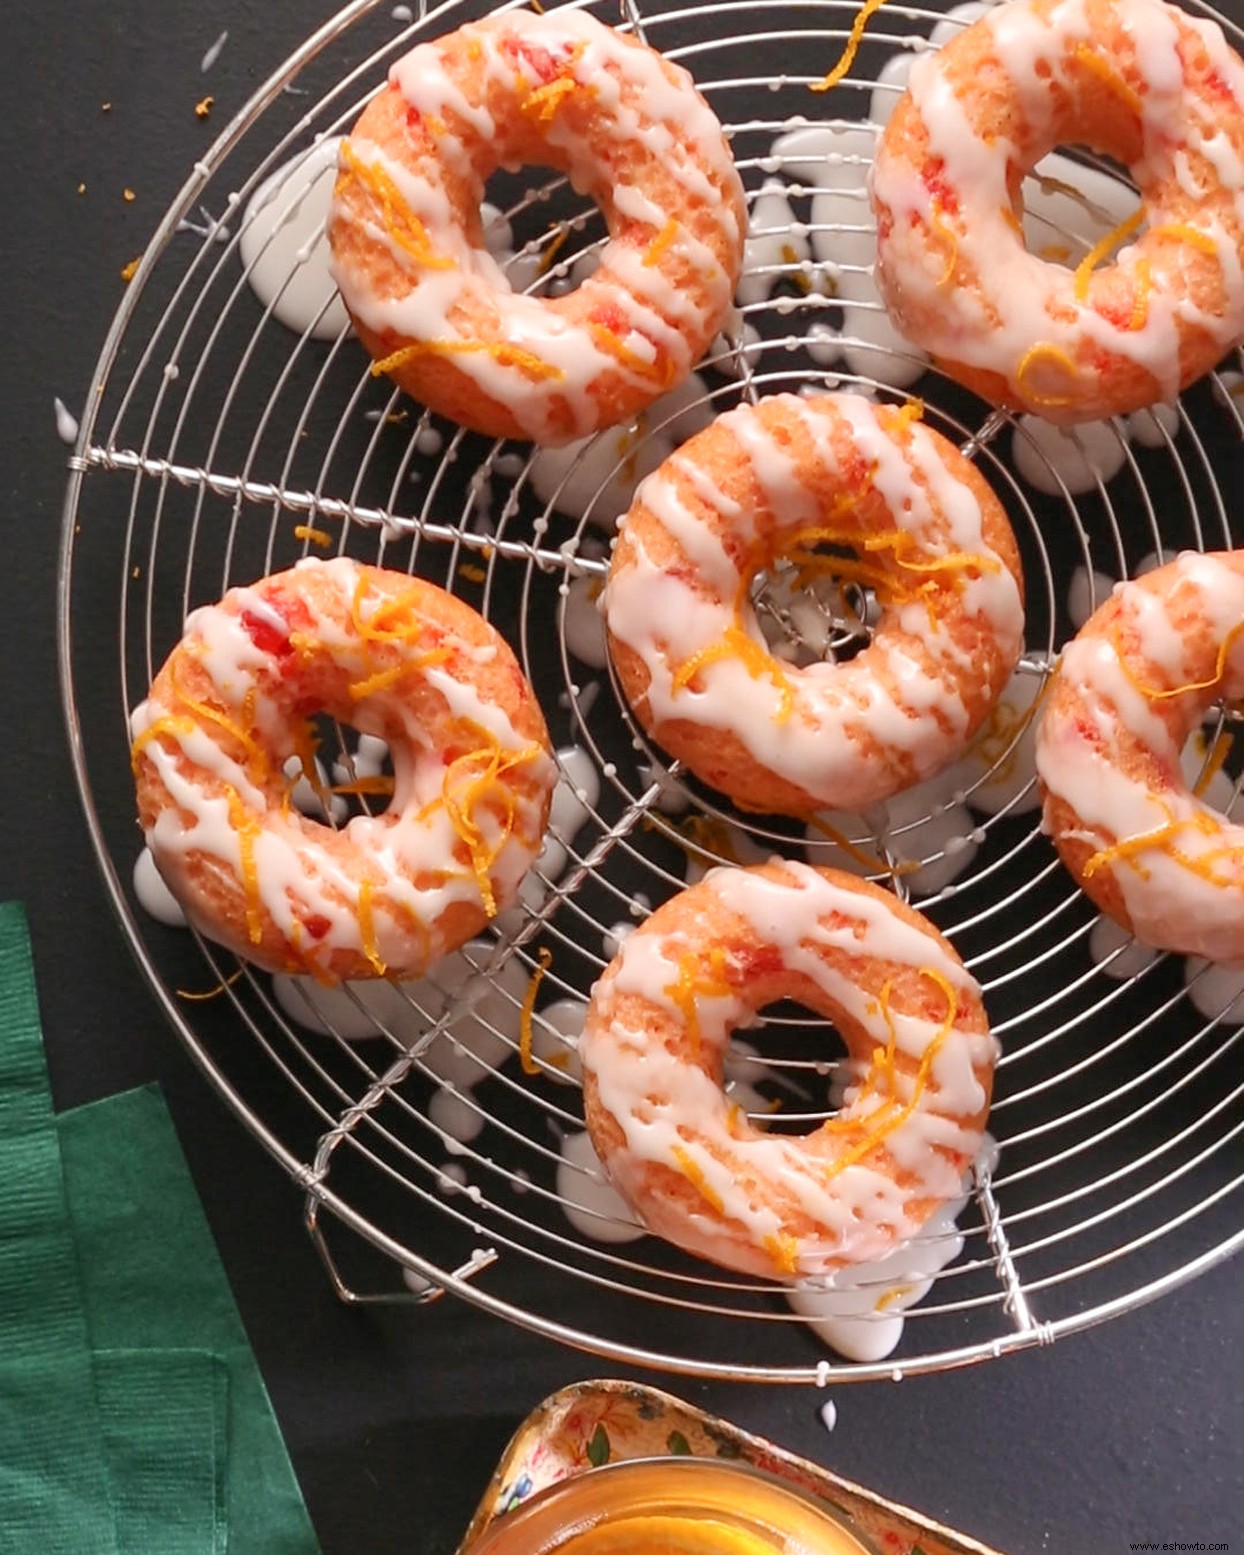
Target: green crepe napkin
(152, 1279)
(164, 1415)
(54, 1486)
(133, 1419)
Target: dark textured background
(395, 1420)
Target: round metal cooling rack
(221, 444)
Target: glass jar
(671, 1506)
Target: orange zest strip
(1215, 757)
(1157, 694)
(887, 1298)
(694, 1173)
(1110, 78)
(551, 251)
(852, 47)
(365, 785)
(734, 643)
(380, 681)
(202, 995)
(1187, 234)
(612, 343)
(543, 102)
(688, 987)
(1129, 849)
(946, 234)
(709, 834)
(246, 824)
(464, 790)
(661, 242)
(305, 743)
(1044, 351)
(1100, 249)
(507, 355)
(320, 537)
(544, 959)
(875, 866)
(171, 724)
(783, 1249)
(798, 278)
(367, 929)
(878, 1125)
(1140, 303)
(258, 765)
(400, 222)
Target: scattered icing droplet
(213, 53)
(66, 422)
(829, 1414)
(414, 1281)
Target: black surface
(394, 1420)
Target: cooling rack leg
(418, 1289)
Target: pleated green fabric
(133, 1418)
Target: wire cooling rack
(218, 438)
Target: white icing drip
(284, 248)
(590, 1204)
(860, 1311)
(154, 897)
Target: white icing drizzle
(1081, 741)
(849, 732)
(673, 128)
(284, 248)
(673, 1112)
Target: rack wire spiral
(217, 439)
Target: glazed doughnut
(779, 479)
(392, 656)
(630, 131)
(1129, 690)
(1138, 80)
(688, 1160)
